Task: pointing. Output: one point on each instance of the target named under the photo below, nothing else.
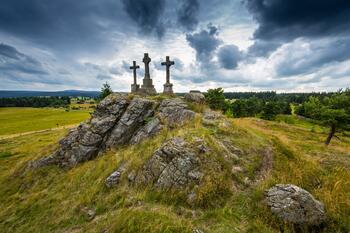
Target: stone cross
(147, 87)
(146, 60)
(168, 63)
(134, 67)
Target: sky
(239, 45)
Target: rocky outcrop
(174, 164)
(295, 205)
(195, 96)
(174, 112)
(131, 121)
(118, 120)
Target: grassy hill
(53, 200)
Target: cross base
(147, 87)
(168, 89)
(135, 88)
(147, 91)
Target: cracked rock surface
(174, 164)
(174, 112)
(118, 120)
(295, 205)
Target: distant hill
(73, 93)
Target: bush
(216, 99)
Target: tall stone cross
(168, 87)
(146, 60)
(167, 64)
(134, 67)
(147, 86)
(134, 86)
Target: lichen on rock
(174, 164)
(295, 205)
(175, 112)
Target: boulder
(174, 164)
(195, 97)
(295, 205)
(175, 112)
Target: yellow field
(19, 120)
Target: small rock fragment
(114, 179)
(88, 213)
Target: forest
(36, 102)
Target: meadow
(16, 120)
(50, 199)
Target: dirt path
(36, 131)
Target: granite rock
(295, 205)
(174, 164)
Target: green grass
(50, 199)
(20, 120)
(302, 122)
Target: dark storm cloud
(12, 60)
(229, 56)
(147, 14)
(204, 42)
(283, 21)
(63, 24)
(262, 48)
(188, 13)
(289, 19)
(316, 56)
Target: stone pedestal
(135, 88)
(147, 87)
(168, 89)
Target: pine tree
(105, 91)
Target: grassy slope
(302, 158)
(19, 120)
(50, 199)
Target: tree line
(272, 95)
(36, 102)
(330, 109)
(265, 107)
